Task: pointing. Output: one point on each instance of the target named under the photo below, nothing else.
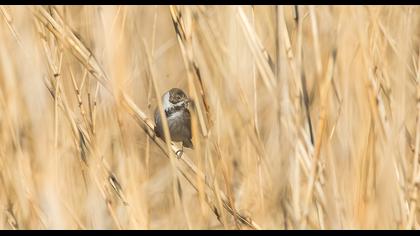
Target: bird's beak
(188, 101)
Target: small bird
(175, 104)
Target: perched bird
(175, 104)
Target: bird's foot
(179, 153)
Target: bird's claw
(179, 153)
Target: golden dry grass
(306, 117)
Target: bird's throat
(174, 109)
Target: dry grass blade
(8, 21)
(193, 72)
(84, 138)
(415, 180)
(262, 59)
(176, 191)
(318, 140)
(314, 26)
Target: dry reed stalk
(176, 191)
(80, 133)
(287, 46)
(200, 164)
(304, 94)
(376, 102)
(199, 36)
(11, 219)
(149, 92)
(93, 106)
(314, 27)
(299, 83)
(301, 74)
(9, 22)
(262, 58)
(25, 184)
(415, 180)
(184, 36)
(318, 139)
(186, 167)
(93, 101)
(225, 173)
(207, 33)
(78, 94)
(256, 122)
(221, 215)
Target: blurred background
(307, 117)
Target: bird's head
(175, 97)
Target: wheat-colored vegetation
(304, 117)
